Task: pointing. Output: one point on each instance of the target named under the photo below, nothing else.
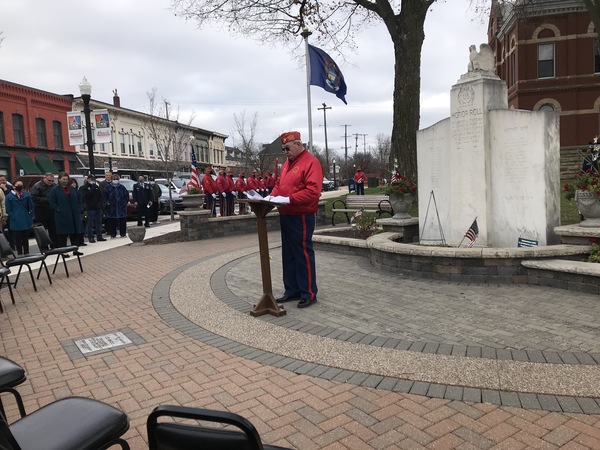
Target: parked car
(164, 207)
(328, 185)
(176, 183)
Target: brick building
(545, 52)
(33, 131)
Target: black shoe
(287, 298)
(306, 302)
(83, 244)
(101, 239)
(65, 255)
(77, 253)
(91, 241)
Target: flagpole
(305, 34)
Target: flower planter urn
(589, 206)
(401, 205)
(193, 201)
(136, 234)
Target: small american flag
(472, 233)
(195, 181)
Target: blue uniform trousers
(298, 256)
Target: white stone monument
(490, 163)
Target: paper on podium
(276, 199)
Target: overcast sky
(137, 45)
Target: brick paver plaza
(380, 362)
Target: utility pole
(325, 108)
(356, 135)
(346, 146)
(364, 142)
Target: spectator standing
(155, 207)
(20, 209)
(3, 216)
(359, 180)
(93, 202)
(241, 188)
(299, 185)
(83, 216)
(142, 198)
(6, 187)
(43, 212)
(67, 206)
(211, 190)
(116, 198)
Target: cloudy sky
(135, 46)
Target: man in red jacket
(359, 181)
(231, 194)
(299, 189)
(223, 187)
(252, 182)
(209, 186)
(241, 188)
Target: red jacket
(271, 181)
(240, 185)
(252, 183)
(360, 177)
(231, 183)
(223, 184)
(301, 180)
(209, 185)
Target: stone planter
(589, 206)
(401, 205)
(136, 234)
(193, 201)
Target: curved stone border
(164, 307)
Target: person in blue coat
(66, 203)
(116, 197)
(20, 209)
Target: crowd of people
(70, 212)
(224, 189)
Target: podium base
(268, 305)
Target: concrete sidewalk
(303, 379)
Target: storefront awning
(25, 163)
(45, 164)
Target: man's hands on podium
(278, 199)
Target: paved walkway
(338, 375)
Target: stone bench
(368, 204)
(573, 275)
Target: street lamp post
(85, 89)
(334, 183)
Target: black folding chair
(14, 261)
(44, 243)
(4, 273)
(168, 435)
(11, 375)
(72, 423)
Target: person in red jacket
(209, 186)
(223, 188)
(359, 181)
(241, 187)
(262, 185)
(231, 194)
(270, 182)
(299, 189)
(252, 182)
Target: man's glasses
(285, 149)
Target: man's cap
(242, 174)
(230, 172)
(91, 177)
(289, 137)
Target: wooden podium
(267, 303)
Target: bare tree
(334, 23)
(246, 131)
(1, 37)
(172, 138)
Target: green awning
(45, 164)
(24, 162)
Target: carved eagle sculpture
(482, 59)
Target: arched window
(546, 107)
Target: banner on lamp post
(75, 129)
(102, 134)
